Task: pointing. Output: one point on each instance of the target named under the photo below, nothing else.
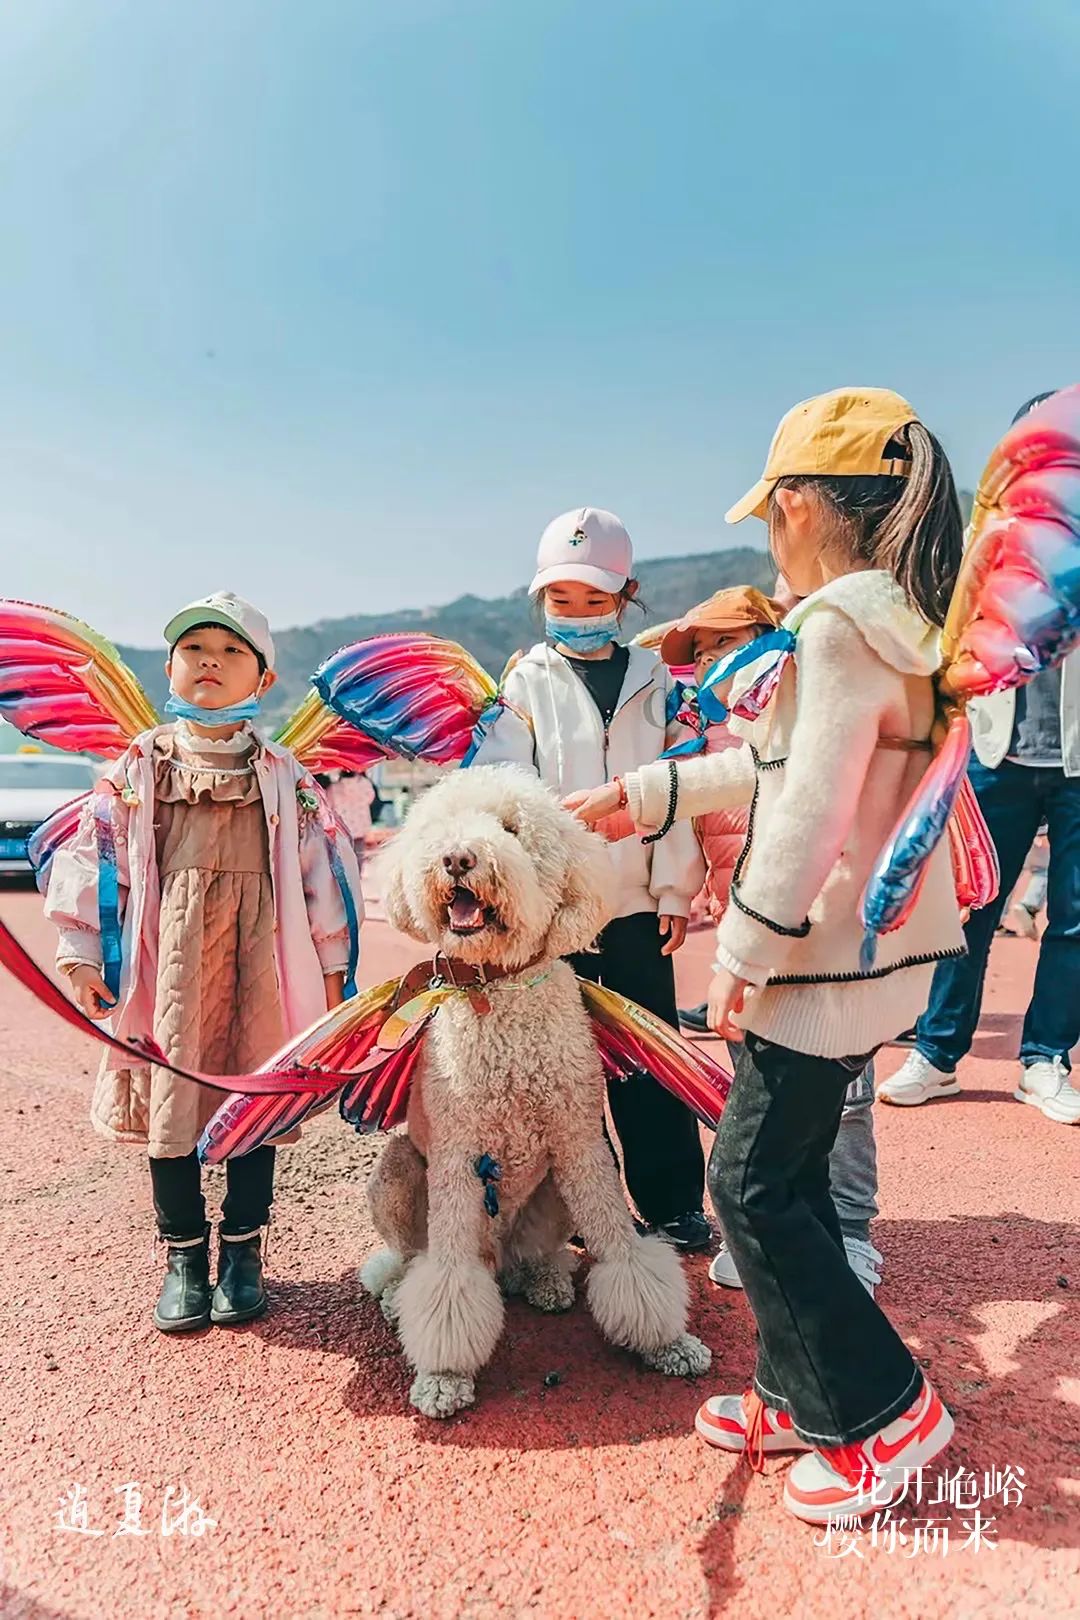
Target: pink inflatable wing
(893, 887)
(1016, 608)
(64, 684)
(337, 1044)
(974, 857)
(630, 1039)
(1015, 612)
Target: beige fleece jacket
(826, 796)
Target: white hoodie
(568, 748)
(826, 797)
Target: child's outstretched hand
(673, 931)
(726, 997)
(592, 806)
(90, 992)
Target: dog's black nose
(459, 862)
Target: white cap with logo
(232, 613)
(587, 545)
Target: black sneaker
(695, 1019)
(908, 1038)
(690, 1232)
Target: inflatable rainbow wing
(65, 685)
(630, 1040)
(339, 1042)
(1016, 608)
(323, 741)
(1015, 612)
(410, 694)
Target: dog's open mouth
(465, 914)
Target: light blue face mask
(583, 635)
(233, 715)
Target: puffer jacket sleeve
(328, 915)
(677, 869)
(509, 740)
(71, 900)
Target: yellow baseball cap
(841, 434)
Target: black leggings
(178, 1199)
(661, 1148)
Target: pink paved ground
(590, 1498)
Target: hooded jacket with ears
(567, 747)
(826, 797)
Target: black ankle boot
(240, 1294)
(184, 1301)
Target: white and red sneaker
(745, 1423)
(868, 1475)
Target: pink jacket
(721, 833)
(311, 931)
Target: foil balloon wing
(340, 1041)
(380, 1037)
(64, 684)
(407, 694)
(631, 1040)
(1016, 608)
(1014, 613)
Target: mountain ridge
(491, 628)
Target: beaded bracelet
(673, 800)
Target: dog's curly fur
(521, 1082)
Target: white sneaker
(1046, 1086)
(917, 1081)
(723, 1270)
(865, 1261)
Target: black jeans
(178, 1199)
(827, 1355)
(661, 1148)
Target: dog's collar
(427, 985)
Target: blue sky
(335, 303)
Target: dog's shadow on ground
(552, 1384)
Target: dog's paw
(380, 1272)
(684, 1357)
(440, 1395)
(388, 1302)
(549, 1288)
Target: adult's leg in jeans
(853, 1179)
(179, 1206)
(828, 1355)
(661, 1147)
(1052, 1025)
(1010, 802)
(249, 1191)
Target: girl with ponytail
(865, 527)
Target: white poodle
(493, 874)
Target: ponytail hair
(911, 527)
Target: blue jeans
(1015, 800)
